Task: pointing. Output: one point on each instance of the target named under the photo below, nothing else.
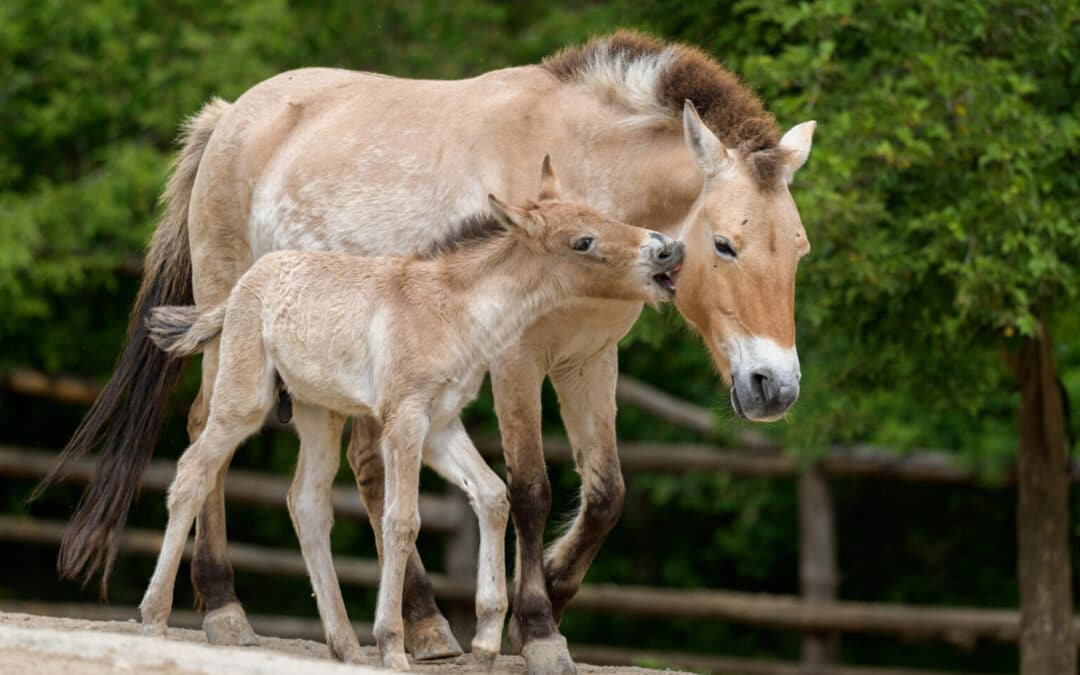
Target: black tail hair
(124, 421)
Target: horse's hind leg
(211, 573)
(427, 632)
(313, 515)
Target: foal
(405, 341)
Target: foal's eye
(583, 244)
(723, 247)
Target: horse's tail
(182, 331)
(124, 421)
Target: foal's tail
(124, 422)
(182, 331)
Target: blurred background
(941, 201)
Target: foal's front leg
(427, 632)
(402, 449)
(451, 453)
(312, 513)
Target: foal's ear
(709, 153)
(510, 217)
(549, 183)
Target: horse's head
(743, 242)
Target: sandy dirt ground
(31, 644)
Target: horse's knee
(493, 502)
(400, 530)
(197, 415)
(602, 501)
(309, 507)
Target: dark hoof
(431, 639)
(228, 626)
(548, 656)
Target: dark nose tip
(671, 252)
(770, 394)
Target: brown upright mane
(469, 231)
(730, 109)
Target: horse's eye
(583, 244)
(723, 247)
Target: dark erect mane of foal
(469, 231)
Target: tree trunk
(1047, 645)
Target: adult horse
(341, 160)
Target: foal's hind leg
(427, 632)
(240, 405)
(312, 514)
(211, 573)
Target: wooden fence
(817, 613)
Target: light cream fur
(404, 342)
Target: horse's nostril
(759, 383)
(664, 254)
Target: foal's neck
(504, 286)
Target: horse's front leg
(211, 573)
(587, 402)
(516, 377)
(427, 632)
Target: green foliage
(940, 199)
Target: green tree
(941, 199)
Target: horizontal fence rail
(757, 455)
(438, 513)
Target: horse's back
(332, 159)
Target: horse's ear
(796, 142)
(709, 153)
(549, 182)
(510, 217)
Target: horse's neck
(641, 175)
(503, 288)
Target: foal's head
(591, 254)
(744, 240)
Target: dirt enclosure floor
(45, 645)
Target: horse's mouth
(736, 405)
(666, 280)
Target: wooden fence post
(817, 562)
